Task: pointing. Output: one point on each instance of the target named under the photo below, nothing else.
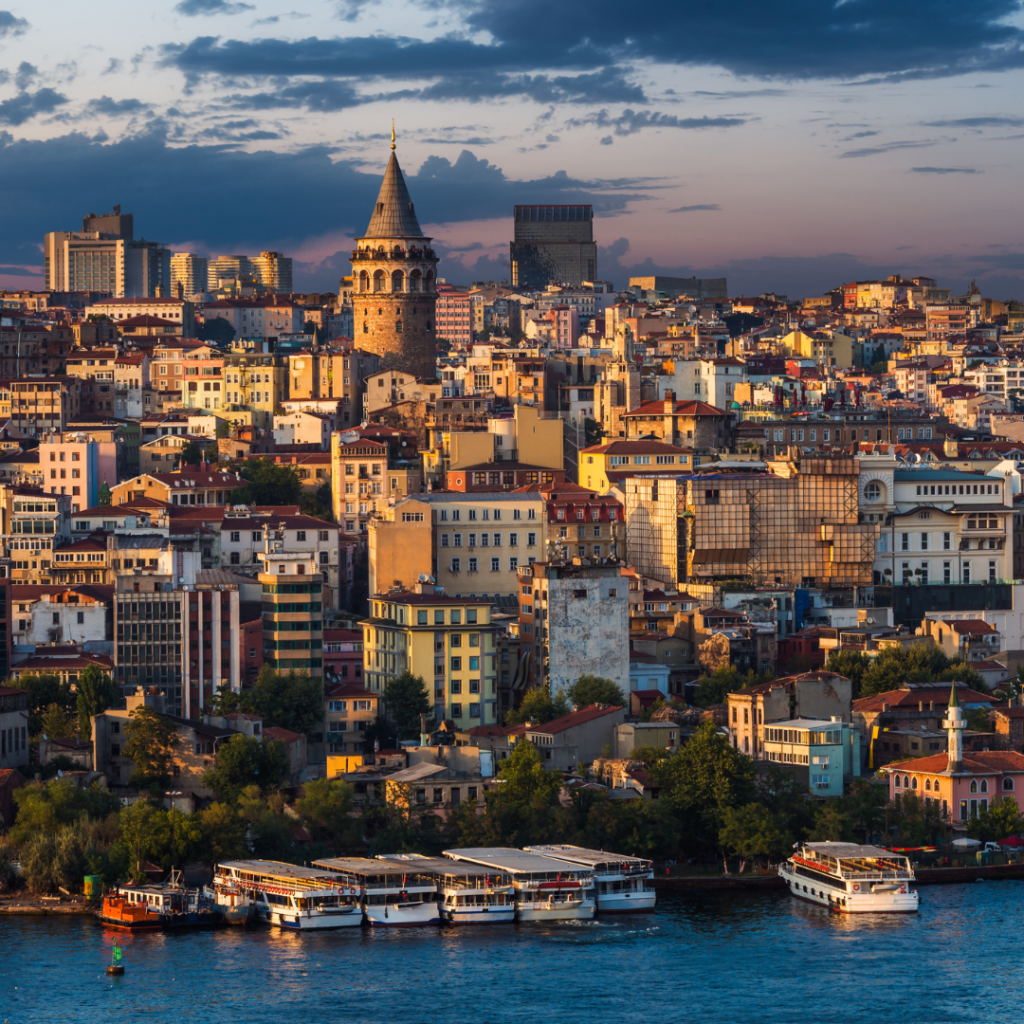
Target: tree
(291, 700)
(831, 824)
(726, 679)
(706, 777)
(268, 484)
(538, 706)
(1001, 821)
(325, 808)
(405, 699)
(44, 689)
(57, 723)
(752, 831)
(59, 802)
(318, 503)
(223, 429)
(222, 833)
(590, 689)
(217, 331)
(851, 664)
(894, 666)
(96, 693)
(246, 761)
(191, 454)
(649, 755)
(521, 810)
(141, 830)
(150, 745)
(268, 829)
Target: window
(513, 564)
(456, 711)
(456, 565)
(904, 542)
(495, 565)
(456, 665)
(300, 535)
(711, 497)
(946, 541)
(235, 536)
(513, 540)
(924, 541)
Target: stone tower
(394, 282)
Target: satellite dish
(423, 578)
(60, 774)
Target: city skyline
(811, 146)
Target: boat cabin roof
(368, 867)
(848, 851)
(277, 869)
(440, 865)
(516, 862)
(589, 858)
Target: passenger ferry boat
(545, 889)
(851, 879)
(622, 884)
(393, 895)
(290, 896)
(466, 893)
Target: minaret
(394, 282)
(955, 724)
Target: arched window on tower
(398, 281)
(378, 280)
(415, 281)
(364, 281)
(429, 281)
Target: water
(719, 956)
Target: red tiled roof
(275, 732)
(910, 698)
(969, 626)
(635, 448)
(688, 408)
(571, 720)
(979, 762)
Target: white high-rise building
(189, 272)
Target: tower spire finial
(392, 135)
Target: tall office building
(105, 257)
(553, 245)
(273, 271)
(229, 268)
(189, 274)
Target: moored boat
(291, 896)
(393, 895)
(466, 893)
(169, 906)
(851, 879)
(622, 884)
(124, 914)
(545, 889)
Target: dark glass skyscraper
(553, 245)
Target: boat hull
(480, 915)
(130, 926)
(627, 902)
(539, 912)
(389, 915)
(293, 921)
(840, 901)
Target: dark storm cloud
(785, 40)
(116, 108)
(298, 194)
(11, 26)
(978, 122)
(945, 170)
(196, 8)
(629, 122)
(26, 105)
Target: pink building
(343, 655)
(454, 312)
(964, 784)
(73, 463)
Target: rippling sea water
(723, 956)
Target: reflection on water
(732, 954)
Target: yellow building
(836, 350)
(605, 465)
(400, 545)
(448, 642)
(257, 382)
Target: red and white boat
(851, 879)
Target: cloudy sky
(789, 144)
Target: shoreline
(36, 906)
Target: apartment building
(605, 466)
(181, 312)
(448, 641)
(574, 620)
(332, 373)
(29, 349)
(292, 610)
(41, 405)
(684, 424)
(794, 527)
(73, 463)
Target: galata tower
(394, 281)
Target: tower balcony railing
(412, 254)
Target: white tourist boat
(393, 895)
(291, 896)
(851, 879)
(622, 884)
(466, 893)
(545, 889)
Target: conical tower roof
(393, 216)
(953, 702)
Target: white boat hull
(557, 912)
(626, 902)
(390, 915)
(293, 921)
(886, 900)
(479, 915)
